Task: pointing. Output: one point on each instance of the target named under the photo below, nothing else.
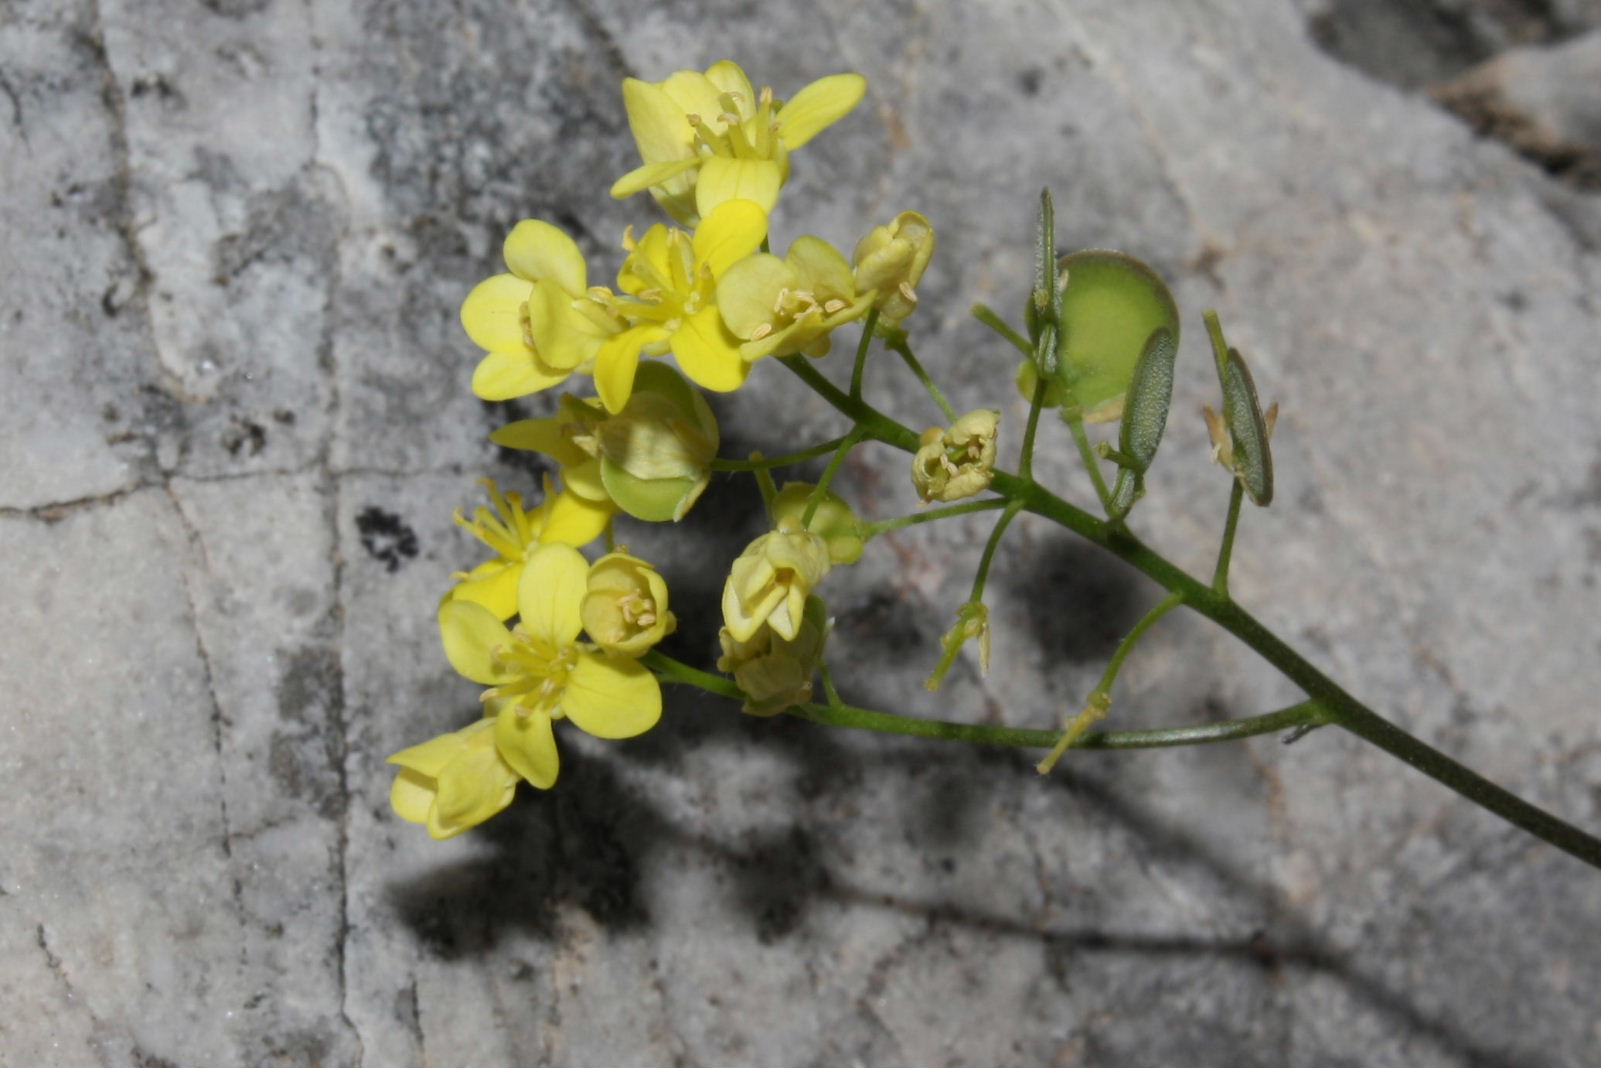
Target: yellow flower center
(739, 136)
(508, 530)
(794, 306)
(672, 288)
(539, 672)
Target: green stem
(1025, 457)
(816, 499)
(986, 315)
(829, 688)
(670, 670)
(1220, 574)
(860, 367)
(1336, 705)
(981, 576)
(1300, 715)
(1126, 646)
(884, 526)
(764, 463)
(1075, 423)
(1304, 714)
(901, 348)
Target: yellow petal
(472, 788)
(708, 353)
(819, 105)
(492, 584)
(562, 337)
(659, 127)
(540, 435)
(469, 632)
(641, 178)
(412, 796)
(492, 313)
(616, 363)
(823, 266)
(537, 250)
(430, 758)
(746, 291)
(576, 520)
(731, 232)
(723, 179)
(729, 77)
(584, 480)
(612, 696)
(528, 745)
(551, 592)
(504, 375)
(692, 93)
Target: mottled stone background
(235, 419)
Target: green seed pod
(1111, 306)
(1150, 393)
(1253, 460)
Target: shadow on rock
(583, 844)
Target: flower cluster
(550, 634)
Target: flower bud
(771, 580)
(625, 608)
(776, 672)
(891, 260)
(958, 462)
(833, 521)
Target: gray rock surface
(1541, 101)
(236, 419)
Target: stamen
(761, 331)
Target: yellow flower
(771, 580)
(625, 610)
(783, 306)
(652, 459)
(891, 259)
(709, 138)
(671, 281)
(515, 533)
(539, 672)
(452, 782)
(776, 672)
(539, 323)
(833, 520)
(958, 462)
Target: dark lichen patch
(386, 537)
(244, 436)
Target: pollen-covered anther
(834, 305)
(761, 331)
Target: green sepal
(1150, 394)
(1253, 458)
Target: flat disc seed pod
(1112, 305)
